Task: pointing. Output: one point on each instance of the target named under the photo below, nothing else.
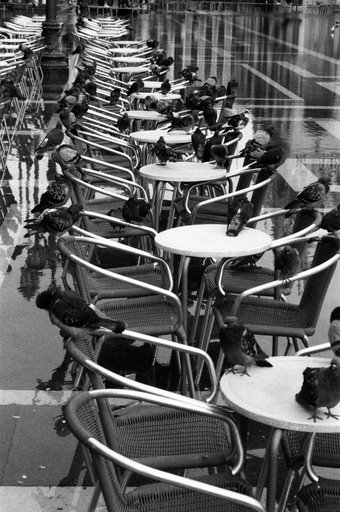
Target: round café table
(145, 137)
(176, 173)
(126, 50)
(157, 95)
(268, 397)
(153, 84)
(129, 60)
(208, 241)
(150, 116)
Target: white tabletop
(268, 395)
(157, 95)
(126, 50)
(210, 240)
(190, 172)
(130, 60)
(146, 115)
(130, 69)
(152, 136)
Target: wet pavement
(288, 70)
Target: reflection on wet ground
(288, 69)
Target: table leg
(273, 451)
(184, 298)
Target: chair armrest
(120, 222)
(108, 273)
(116, 180)
(322, 347)
(97, 240)
(279, 282)
(109, 165)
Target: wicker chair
(240, 274)
(321, 496)
(274, 317)
(94, 287)
(210, 492)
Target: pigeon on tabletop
(240, 210)
(219, 153)
(321, 388)
(165, 87)
(57, 194)
(69, 99)
(72, 314)
(334, 331)
(240, 347)
(198, 140)
(52, 139)
(135, 210)
(135, 87)
(162, 151)
(210, 115)
(55, 221)
(310, 194)
(150, 102)
(123, 123)
(331, 221)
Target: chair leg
(204, 340)
(197, 313)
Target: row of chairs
(151, 309)
(21, 48)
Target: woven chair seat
(267, 316)
(107, 230)
(206, 443)
(322, 496)
(167, 498)
(105, 287)
(148, 315)
(326, 450)
(236, 281)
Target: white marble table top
(146, 115)
(157, 95)
(189, 172)
(152, 136)
(130, 60)
(268, 395)
(210, 240)
(130, 69)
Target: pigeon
(219, 153)
(114, 96)
(52, 139)
(57, 194)
(180, 123)
(310, 194)
(331, 221)
(90, 88)
(286, 261)
(334, 331)
(210, 116)
(69, 120)
(27, 51)
(55, 221)
(79, 49)
(150, 102)
(80, 109)
(240, 346)
(69, 99)
(190, 75)
(162, 151)
(90, 69)
(240, 210)
(166, 62)
(198, 140)
(66, 155)
(10, 89)
(72, 314)
(152, 43)
(165, 87)
(123, 123)
(135, 87)
(215, 139)
(135, 210)
(321, 388)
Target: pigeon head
(325, 180)
(335, 315)
(46, 298)
(230, 320)
(75, 210)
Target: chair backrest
(317, 285)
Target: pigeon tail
(114, 325)
(263, 363)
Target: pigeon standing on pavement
(321, 388)
(240, 346)
(57, 194)
(52, 139)
(72, 314)
(55, 221)
(310, 194)
(331, 221)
